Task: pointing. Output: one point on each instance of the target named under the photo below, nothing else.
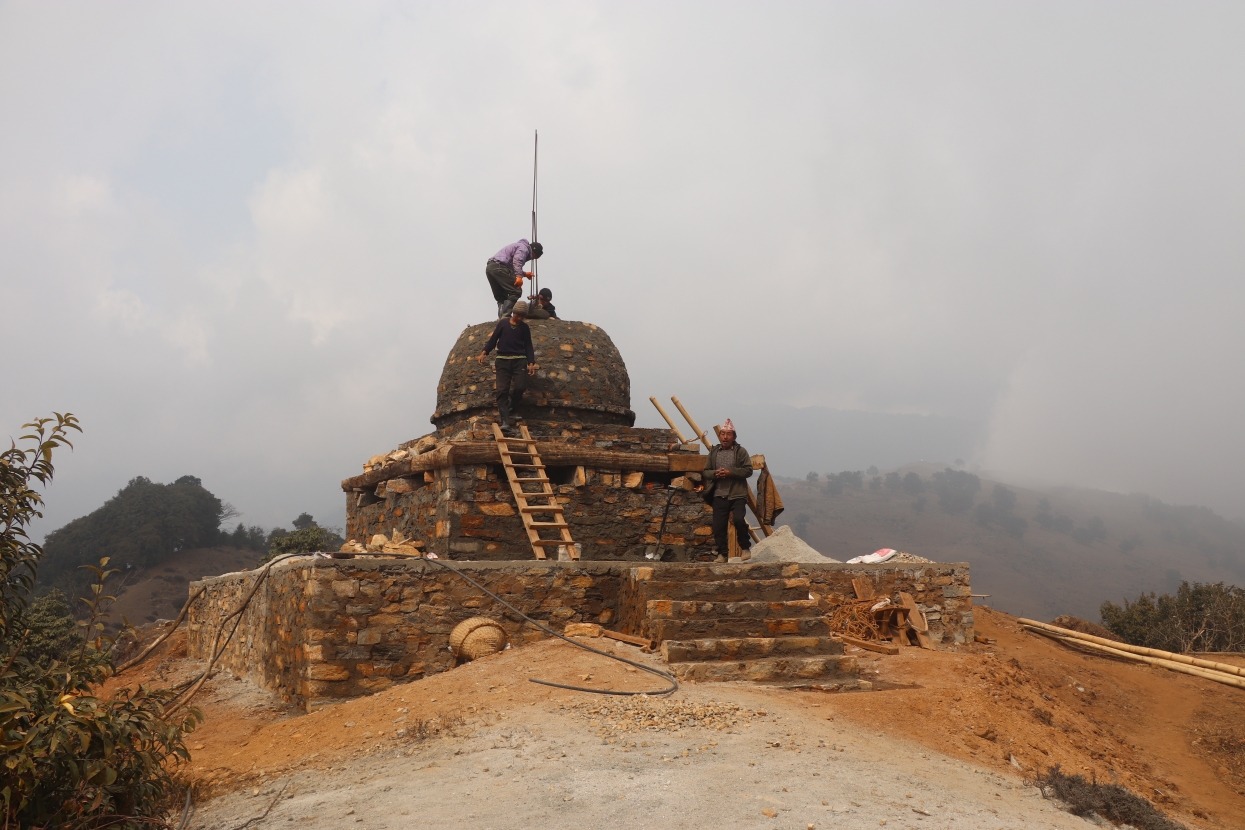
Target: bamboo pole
(701, 435)
(673, 426)
(1145, 652)
(1205, 674)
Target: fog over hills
(1038, 553)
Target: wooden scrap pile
(880, 624)
(1224, 673)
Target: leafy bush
(893, 481)
(71, 759)
(49, 628)
(956, 490)
(141, 526)
(307, 538)
(1200, 617)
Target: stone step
(746, 648)
(730, 590)
(674, 609)
(706, 629)
(708, 572)
(770, 669)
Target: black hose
(674, 683)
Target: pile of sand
(785, 546)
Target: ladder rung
(532, 479)
(524, 466)
(541, 508)
(547, 524)
(544, 543)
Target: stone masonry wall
(468, 512)
(325, 629)
(943, 592)
(322, 629)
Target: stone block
(346, 587)
(368, 636)
(326, 671)
(497, 509)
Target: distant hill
(159, 591)
(1062, 551)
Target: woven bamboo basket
(477, 637)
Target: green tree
(142, 525)
(307, 537)
(71, 759)
(1199, 617)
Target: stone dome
(582, 377)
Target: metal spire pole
(535, 157)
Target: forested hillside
(1036, 553)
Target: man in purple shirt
(505, 273)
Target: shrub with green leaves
(71, 758)
(307, 538)
(1199, 617)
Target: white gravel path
(544, 766)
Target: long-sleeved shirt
(511, 341)
(515, 255)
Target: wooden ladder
(525, 447)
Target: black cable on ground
(674, 683)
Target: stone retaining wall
(324, 629)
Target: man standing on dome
(513, 340)
(727, 491)
(505, 273)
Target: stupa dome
(582, 377)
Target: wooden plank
(917, 620)
(686, 462)
(541, 508)
(914, 613)
(868, 645)
(628, 638)
(863, 588)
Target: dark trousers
(501, 280)
(511, 383)
(732, 509)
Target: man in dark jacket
(540, 306)
(727, 475)
(515, 354)
(505, 273)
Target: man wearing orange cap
(731, 467)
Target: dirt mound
(785, 546)
(1085, 627)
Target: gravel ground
(721, 756)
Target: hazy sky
(238, 240)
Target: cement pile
(785, 546)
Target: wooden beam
(553, 454)
(868, 645)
